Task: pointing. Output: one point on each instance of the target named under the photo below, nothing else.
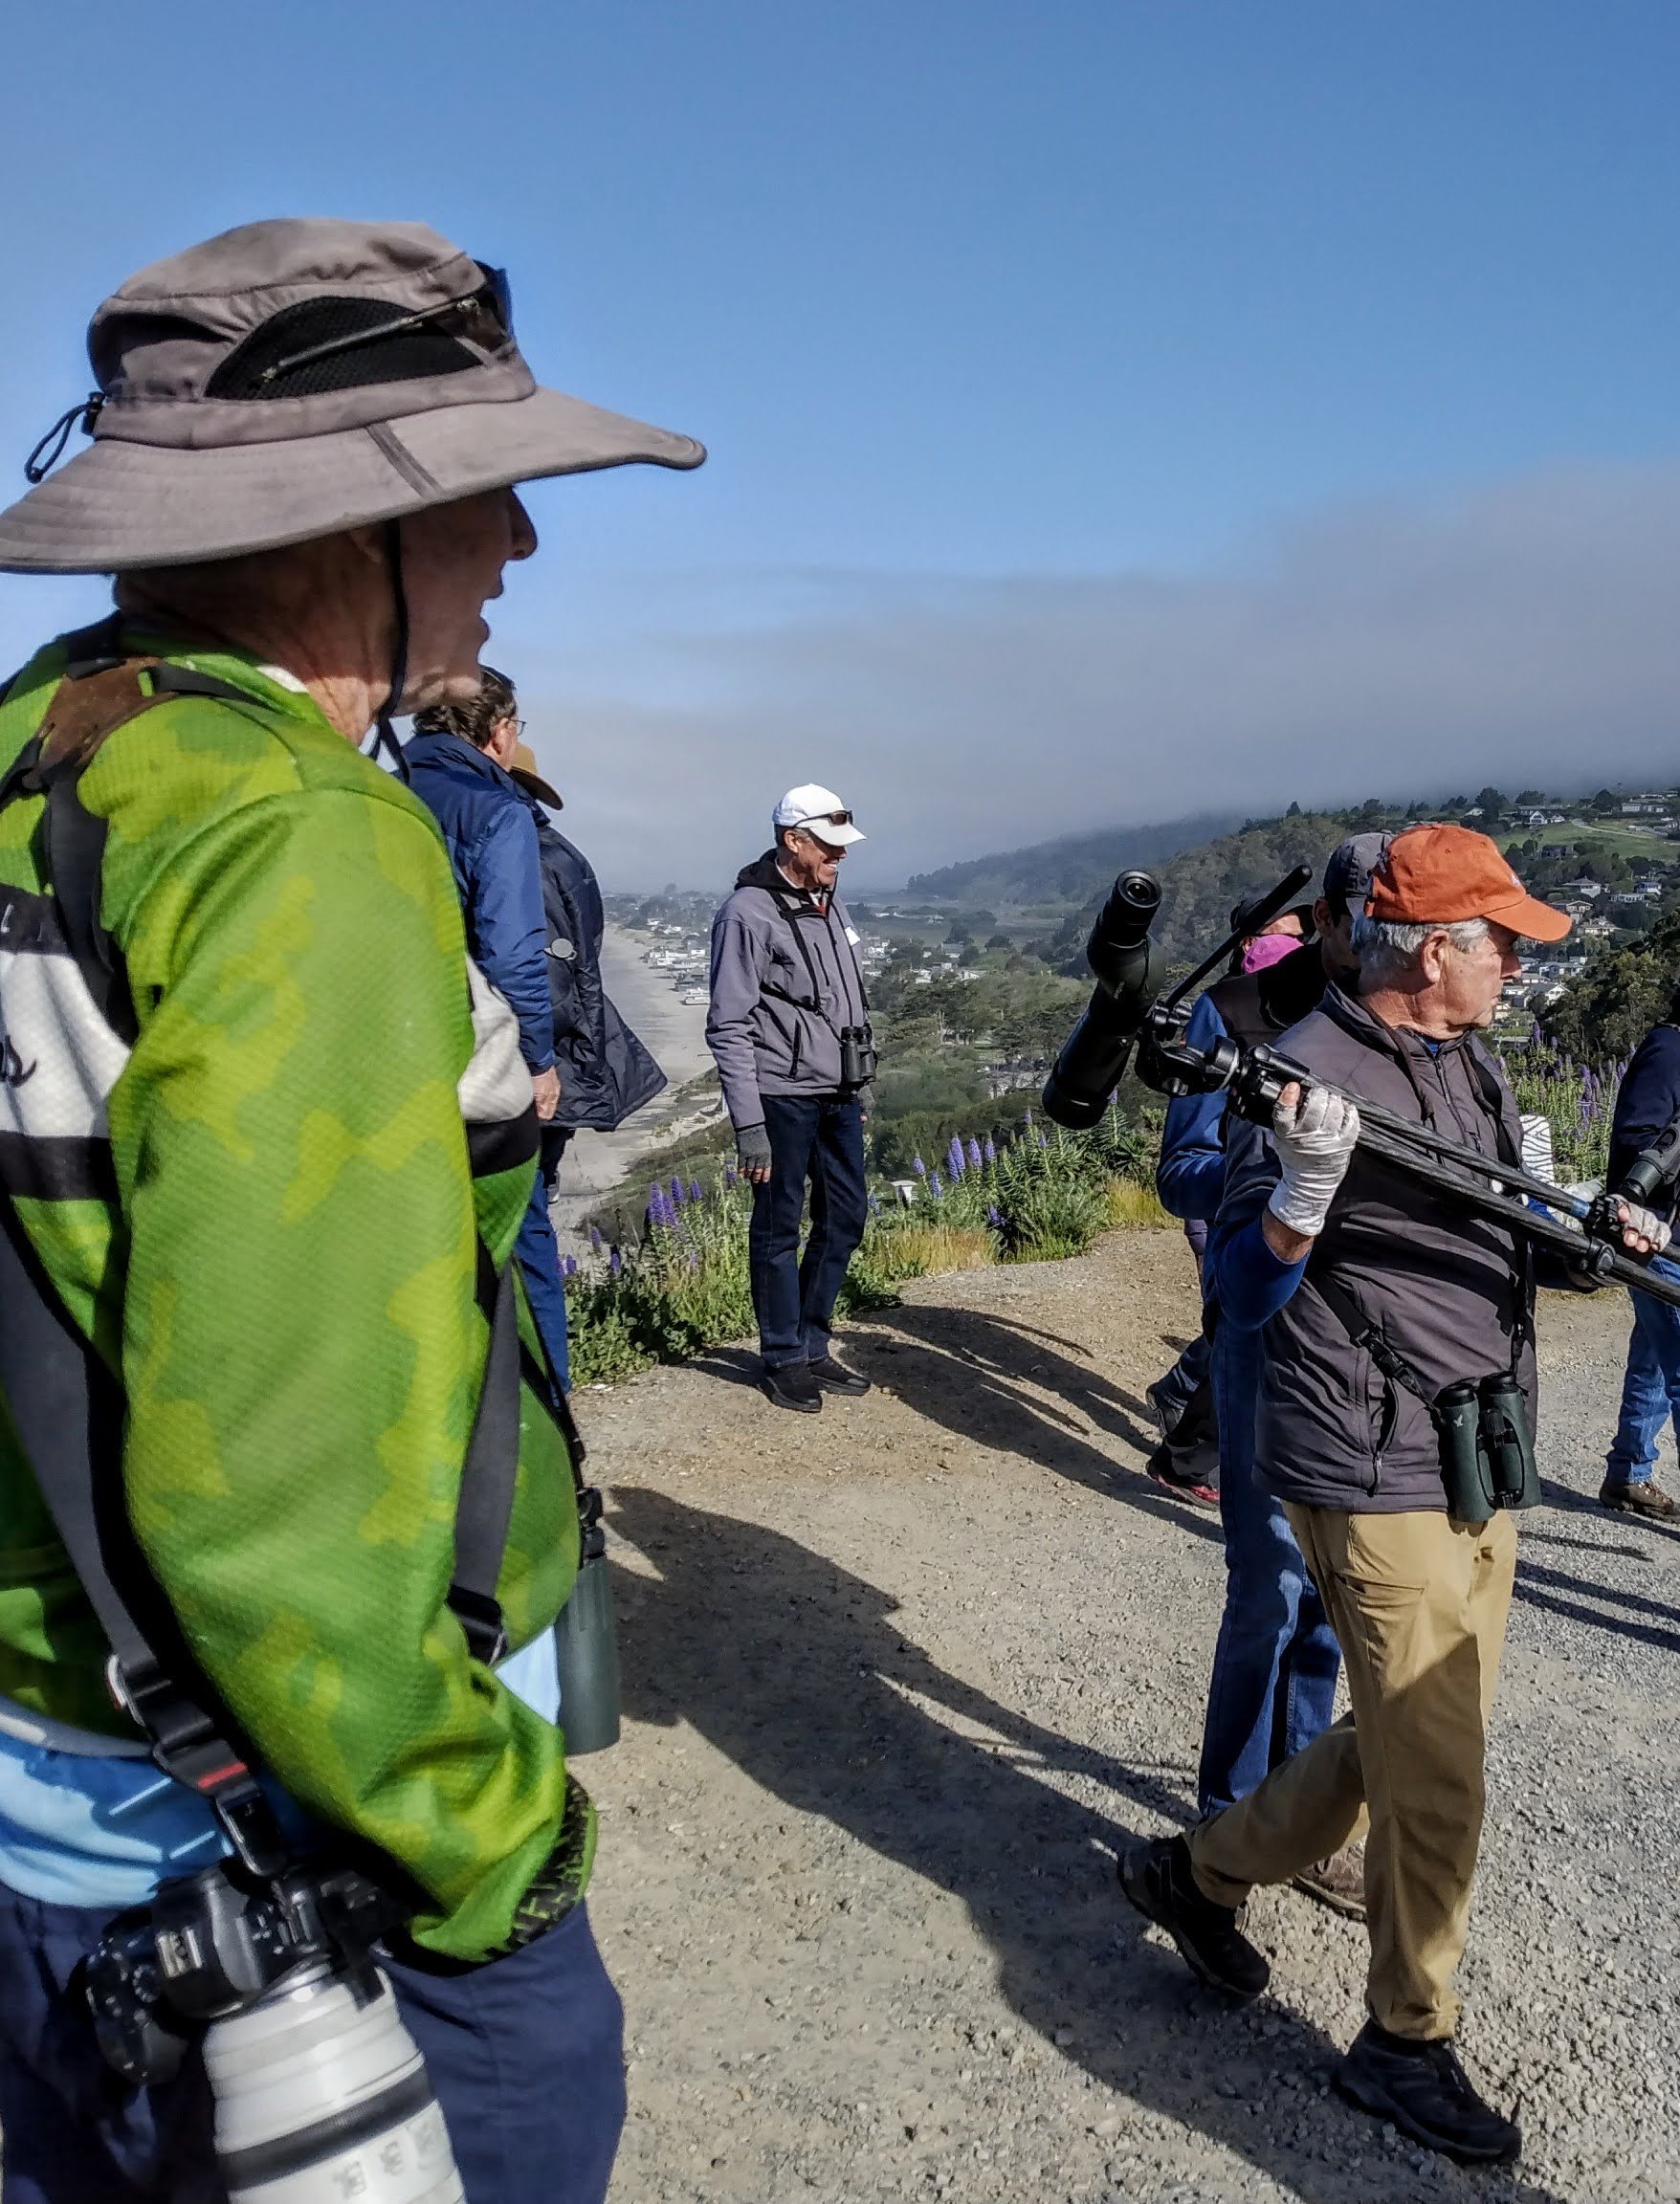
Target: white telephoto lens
(320, 2096)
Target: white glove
(1644, 1224)
(1315, 1141)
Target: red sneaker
(1159, 1468)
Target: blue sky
(1114, 407)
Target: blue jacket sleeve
(1248, 1280)
(1191, 1175)
(1648, 1100)
(506, 927)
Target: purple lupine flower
(694, 1190)
(974, 1155)
(594, 1238)
(994, 1218)
(730, 1175)
(991, 1150)
(919, 1166)
(1043, 1140)
(677, 1195)
(874, 1204)
(694, 1259)
(1028, 1119)
(954, 1157)
(615, 1262)
(935, 1188)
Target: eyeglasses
(827, 819)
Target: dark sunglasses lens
(501, 296)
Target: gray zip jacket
(1453, 1293)
(779, 999)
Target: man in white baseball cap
(789, 1030)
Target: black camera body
(857, 1056)
(214, 1942)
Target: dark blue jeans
(1276, 1661)
(819, 1137)
(537, 1252)
(1651, 1389)
(526, 2056)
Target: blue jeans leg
(526, 2056)
(839, 1212)
(537, 1251)
(1651, 1390)
(1276, 1661)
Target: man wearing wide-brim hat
(265, 1142)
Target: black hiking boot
(1157, 1878)
(792, 1386)
(1427, 2095)
(834, 1376)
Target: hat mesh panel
(405, 357)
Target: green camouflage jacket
(264, 1216)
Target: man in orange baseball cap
(1371, 1294)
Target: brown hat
(293, 378)
(524, 769)
(1435, 875)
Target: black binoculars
(857, 1055)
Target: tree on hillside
(1623, 993)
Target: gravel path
(901, 1680)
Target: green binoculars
(1487, 1451)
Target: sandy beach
(675, 1035)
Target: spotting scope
(1127, 969)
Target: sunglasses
(827, 819)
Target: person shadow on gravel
(980, 1377)
(793, 1667)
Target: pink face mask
(1268, 949)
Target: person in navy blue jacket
(1647, 1105)
(457, 765)
(1275, 1664)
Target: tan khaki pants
(1418, 1603)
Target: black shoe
(1157, 1878)
(792, 1386)
(1427, 2095)
(836, 1377)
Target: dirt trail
(899, 1681)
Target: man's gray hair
(1393, 944)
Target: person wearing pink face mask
(1275, 940)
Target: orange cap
(1436, 875)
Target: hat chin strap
(383, 733)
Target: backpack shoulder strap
(98, 694)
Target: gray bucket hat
(292, 378)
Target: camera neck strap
(790, 902)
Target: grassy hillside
(1199, 885)
(1065, 871)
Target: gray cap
(1347, 875)
(292, 378)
